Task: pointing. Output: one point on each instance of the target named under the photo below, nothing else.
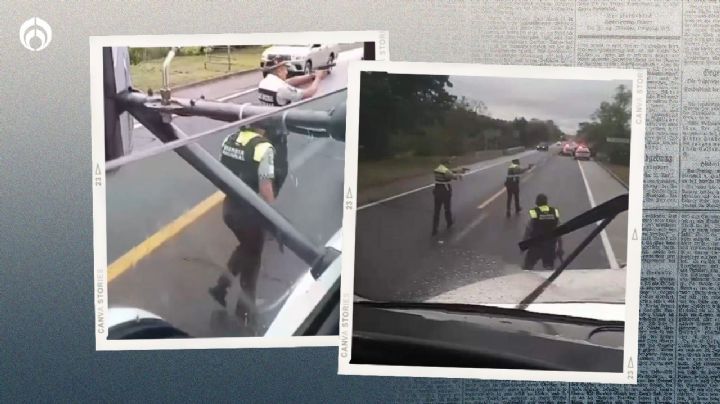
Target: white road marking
(388, 199)
(482, 216)
(465, 231)
(492, 198)
(502, 190)
(603, 235)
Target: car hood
(120, 315)
(593, 293)
(299, 50)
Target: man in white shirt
(277, 90)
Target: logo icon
(35, 34)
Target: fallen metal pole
(229, 183)
(329, 121)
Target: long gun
(325, 67)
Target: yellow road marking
(150, 244)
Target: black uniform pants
(443, 198)
(513, 192)
(545, 253)
(244, 262)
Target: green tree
(395, 103)
(611, 119)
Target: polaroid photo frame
(454, 333)
(309, 295)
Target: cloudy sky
(566, 102)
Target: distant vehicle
(542, 146)
(568, 149)
(582, 153)
(303, 58)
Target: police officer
(277, 90)
(543, 219)
(512, 184)
(250, 156)
(443, 193)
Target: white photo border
(100, 283)
(638, 77)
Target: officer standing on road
(443, 193)
(543, 219)
(512, 184)
(250, 156)
(277, 90)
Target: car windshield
(167, 241)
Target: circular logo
(35, 34)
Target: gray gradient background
(46, 261)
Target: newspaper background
(46, 256)
(679, 44)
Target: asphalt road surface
(146, 197)
(398, 260)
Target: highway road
(166, 240)
(398, 260)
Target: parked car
(303, 58)
(582, 153)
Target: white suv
(303, 58)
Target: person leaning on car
(277, 90)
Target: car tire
(330, 60)
(308, 67)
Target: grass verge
(191, 69)
(621, 171)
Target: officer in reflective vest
(443, 194)
(543, 219)
(250, 156)
(512, 184)
(277, 90)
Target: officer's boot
(219, 291)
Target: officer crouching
(543, 219)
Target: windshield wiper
(604, 212)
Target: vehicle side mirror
(317, 45)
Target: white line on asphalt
(603, 235)
(388, 199)
(221, 99)
(492, 198)
(502, 191)
(465, 231)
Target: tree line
(610, 120)
(409, 114)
